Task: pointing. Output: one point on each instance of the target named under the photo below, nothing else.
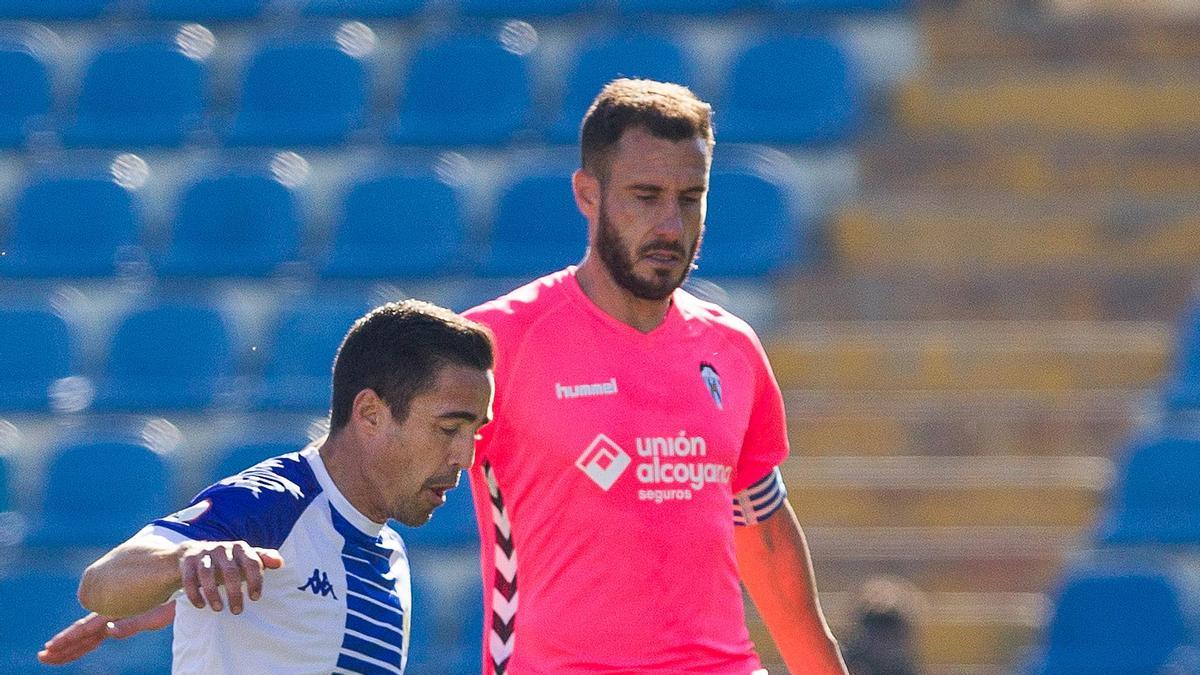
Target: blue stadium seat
(463, 90)
(844, 6)
(166, 357)
(1113, 624)
(209, 10)
(95, 215)
(537, 228)
(621, 55)
(791, 90)
(237, 458)
(525, 8)
(300, 363)
(54, 9)
(236, 224)
(301, 93)
(748, 228)
(24, 93)
(396, 226)
(1182, 389)
(447, 624)
(365, 9)
(35, 348)
(142, 94)
(99, 493)
(1155, 499)
(5, 485)
(36, 605)
(695, 7)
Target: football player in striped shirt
(327, 581)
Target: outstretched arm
(776, 568)
(146, 570)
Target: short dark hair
(397, 349)
(666, 110)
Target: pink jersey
(605, 487)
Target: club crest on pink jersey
(713, 381)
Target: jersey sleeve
(757, 484)
(259, 506)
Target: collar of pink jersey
(670, 323)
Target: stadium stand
(233, 225)
(375, 240)
(365, 9)
(1182, 387)
(36, 350)
(525, 8)
(694, 7)
(94, 214)
(300, 359)
(791, 90)
(1116, 622)
(210, 10)
(25, 84)
(5, 482)
(142, 94)
(303, 93)
(55, 9)
(536, 228)
(173, 356)
(80, 509)
(1154, 502)
(463, 90)
(623, 54)
(749, 230)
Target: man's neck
(348, 478)
(617, 302)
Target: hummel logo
(319, 584)
(603, 461)
(580, 390)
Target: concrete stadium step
(959, 426)
(1097, 101)
(1033, 165)
(1087, 232)
(1011, 35)
(1015, 294)
(947, 491)
(967, 356)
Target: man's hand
(205, 565)
(87, 633)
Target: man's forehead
(642, 156)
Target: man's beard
(614, 253)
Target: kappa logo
(604, 461)
(319, 584)
(713, 381)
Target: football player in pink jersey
(631, 480)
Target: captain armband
(757, 502)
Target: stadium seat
(463, 90)
(1154, 501)
(35, 348)
(748, 228)
(376, 239)
(537, 228)
(525, 8)
(843, 6)
(447, 623)
(142, 94)
(5, 485)
(365, 9)
(1113, 624)
(54, 9)
(209, 10)
(237, 458)
(621, 55)
(95, 215)
(98, 493)
(24, 93)
(36, 605)
(166, 357)
(1182, 390)
(694, 7)
(236, 225)
(790, 90)
(300, 360)
(301, 93)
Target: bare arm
(146, 570)
(776, 568)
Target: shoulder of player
(515, 312)
(720, 319)
(265, 500)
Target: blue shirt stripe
(356, 645)
(388, 634)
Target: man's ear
(368, 411)
(587, 194)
